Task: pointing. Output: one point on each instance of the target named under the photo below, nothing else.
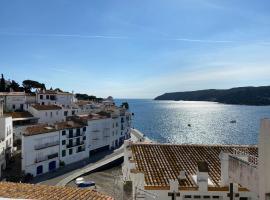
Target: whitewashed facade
(13, 101)
(6, 138)
(50, 97)
(48, 114)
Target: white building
(48, 114)
(50, 97)
(166, 171)
(21, 120)
(13, 101)
(6, 138)
(45, 148)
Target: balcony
(51, 156)
(75, 144)
(81, 150)
(46, 145)
(74, 135)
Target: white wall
(75, 156)
(48, 116)
(30, 152)
(14, 102)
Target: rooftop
(47, 107)
(20, 114)
(12, 93)
(44, 128)
(162, 162)
(90, 117)
(30, 191)
(54, 92)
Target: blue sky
(135, 48)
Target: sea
(195, 122)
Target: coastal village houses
(55, 129)
(6, 138)
(172, 172)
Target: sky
(136, 48)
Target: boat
(81, 183)
(233, 121)
(189, 125)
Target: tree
(14, 86)
(2, 84)
(30, 84)
(125, 105)
(58, 90)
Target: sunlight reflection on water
(167, 121)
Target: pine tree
(2, 84)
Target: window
(70, 151)
(84, 128)
(51, 114)
(47, 96)
(40, 169)
(66, 113)
(63, 142)
(63, 153)
(215, 197)
(73, 112)
(206, 197)
(70, 142)
(41, 96)
(78, 131)
(70, 133)
(63, 132)
(78, 141)
(13, 106)
(197, 197)
(187, 196)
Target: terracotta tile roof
(19, 114)
(93, 117)
(30, 191)
(47, 107)
(162, 162)
(44, 128)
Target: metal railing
(75, 144)
(46, 145)
(48, 157)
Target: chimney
(264, 159)
(182, 175)
(202, 176)
(224, 162)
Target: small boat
(189, 125)
(81, 183)
(233, 121)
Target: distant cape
(239, 96)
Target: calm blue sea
(167, 121)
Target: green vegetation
(87, 97)
(30, 84)
(125, 105)
(239, 96)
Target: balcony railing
(75, 144)
(51, 156)
(46, 145)
(76, 135)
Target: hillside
(239, 96)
